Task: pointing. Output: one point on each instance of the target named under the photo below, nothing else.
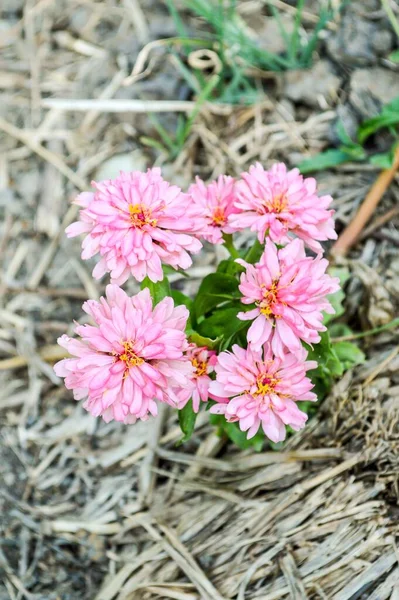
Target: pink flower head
(263, 389)
(203, 361)
(278, 202)
(136, 222)
(131, 358)
(216, 203)
(289, 290)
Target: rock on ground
(316, 87)
(371, 88)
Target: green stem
(391, 16)
(356, 336)
(228, 242)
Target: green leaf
(388, 117)
(394, 56)
(348, 354)
(329, 365)
(338, 297)
(180, 298)
(238, 437)
(222, 324)
(158, 290)
(255, 252)
(383, 160)
(324, 160)
(354, 152)
(325, 355)
(343, 135)
(187, 418)
(214, 290)
(342, 273)
(229, 267)
(168, 270)
(201, 340)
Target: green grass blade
(294, 42)
(187, 75)
(204, 95)
(163, 134)
(174, 13)
(305, 56)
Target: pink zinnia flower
(132, 357)
(289, 290)
(216, 203)
(278, 202)
(136, 222)
(263, 389)
(203, 361)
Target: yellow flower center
(129, 357)
(199, 366)
(218, 217)
(265, 384)
(141, 215)
(278, 203)
(269, 298)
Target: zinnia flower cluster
(216, 202)
(132, 358)
(136, 223)
(136, 355)
(278, 202)
(263, 388)
(289, 290)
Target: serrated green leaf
(324, 160)
(348, 354)
(215, 289)
(187, 418)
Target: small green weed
(173, 145)
(238, 52)
(353, 150)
